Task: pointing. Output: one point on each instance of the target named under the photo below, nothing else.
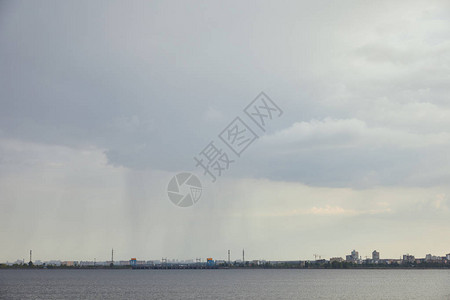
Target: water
(225, 284)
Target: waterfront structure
(87, 263)
(375, 255)
(210, 262)
(353, 257)
(133, 262)
(432, 258)
(420, 260)
(54, 263)
(221, 262)
(408, 258)
(337, 259)
(69, 263)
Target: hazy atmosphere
(102, 103)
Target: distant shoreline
(3, 267)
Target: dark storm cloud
(140, 80)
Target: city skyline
(353, 256)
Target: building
(433, 258)
(375, 255)
(133, 262)
(337, 259)
(408, 258)
(69, 263)
(87, 263)
(210, 262)
(420, 260)
(124, 263)
(221, 262)
(255, 262)
(54, 263)
(353, 257)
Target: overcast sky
(103, 102)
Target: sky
(102, 103)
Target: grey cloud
(152, 84)
(350, 153)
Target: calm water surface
(225, 284)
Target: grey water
(224, 284)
